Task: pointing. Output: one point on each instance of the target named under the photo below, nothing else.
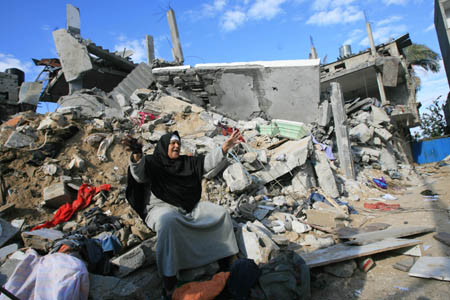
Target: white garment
(54, 276)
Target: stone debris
(267, 183)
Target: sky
(216, 31)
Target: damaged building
(324, 153)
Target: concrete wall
(441, 23)
(281, 89)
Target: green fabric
(286, 276)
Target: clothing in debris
(66, 211)
(202, 290)
(190, 233)
(53, 276)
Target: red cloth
(229, 131)
(381, 206)
(202, 290)
(145, 115)
(66, 211)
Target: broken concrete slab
(296, 152)
(41, 239)
(73, 55)
(379, 115)
(361, 133)
(343, 252)
(431, 267)
(7, 231)
(387, 159)
(143, 284)
(88, 105)
(392, 232)
(303, 180)
(138, 257)
(328, 218)
(30, 92)
(19, 140)
(58, 194)
(236, 177)
(325, 174)
(7, 250)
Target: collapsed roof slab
(287, 89)
(73, 55)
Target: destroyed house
(357, 75)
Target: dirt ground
(383, 281)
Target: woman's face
(174, 149)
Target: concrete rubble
(267, 183)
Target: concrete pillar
(379, 76)
(73, 19)
(177, 52)
(342, 137)
(150, 49)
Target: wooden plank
(343, 252)
(393, 232)
(443, 237)
(431, 267)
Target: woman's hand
(133, 146)
(231, 141)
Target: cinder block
(140, 256)
(58, 194)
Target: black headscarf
(175, 181)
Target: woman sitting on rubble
(165, 189)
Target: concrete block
(325, 175)
(58, 194)
(237, 178)
(343, 269)
(383, 134)
(140, 256)
(88, 105)
(325, 218)
(19, 140)
(73, 55)
(379, 116)
(41, 239)
(361, 133)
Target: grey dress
(187, 240)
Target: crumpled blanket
(53, 276)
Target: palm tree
(422, 56)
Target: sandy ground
(383, 281)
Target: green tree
(432, 121)
(421, 56)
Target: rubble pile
(282, 193)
